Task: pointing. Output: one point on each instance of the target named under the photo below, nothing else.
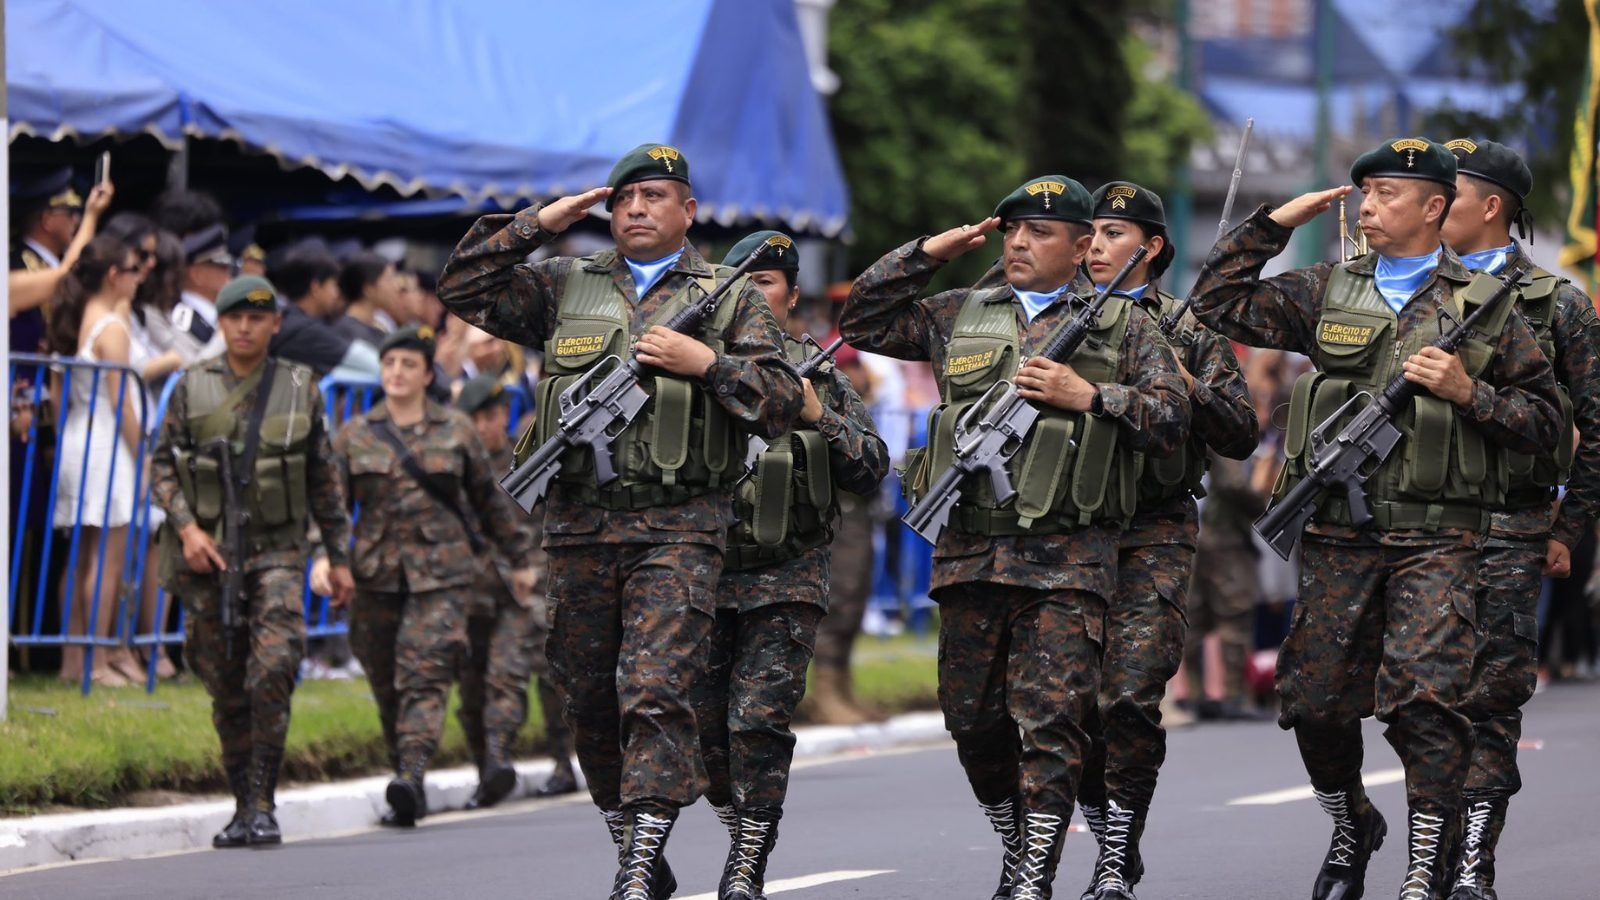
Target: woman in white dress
(98, 454)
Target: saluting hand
(557, 216)
(674, 352)
(1441, 374)
(99, 200)
(1306, 207)
(959, 240)
(1054, 383)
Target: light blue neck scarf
(1034, 302)
(1492, 260)
(1399, 277)
(646, 274)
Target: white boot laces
(1426, 833)
(1341, 852)
(1039, 835)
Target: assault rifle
(1350, 457)
(805, 370)
(604, 402)
(234, 520)
(1169, 322)
(993, 429)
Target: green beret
(1493, 162)
(648, 162)
(412, 337)
(780, 252)
(1126, 200)
(1407, 158)
(483, 392)
(1048, 197)
(247, 293)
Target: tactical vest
(1180, 473)
(681, 445)
(1533, 479)
(276, 493)
(1443, 474)
(1071, 471)
(788, 506)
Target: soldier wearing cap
(427, 492)
(1528, 537)
(266, 416)
(505, 639)
(1023, 586)
(207, 266)
(51, 224)
(1384, 623)
(646, 549)
(774, 585)
(1145, 620)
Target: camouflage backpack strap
(219, 420)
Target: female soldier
(426, 491)
(773, 588)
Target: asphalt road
(908, 817)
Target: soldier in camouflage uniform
(633, 565)
(1385, 616)
(1145, 620)
(505, 640)
(427, 491)
(1527, 539)
(774, 587)
(1023, 587)
(250, 670)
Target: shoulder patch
(1344, 334)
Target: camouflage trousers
(409, 645)
(251, 676)
(1144, 632)
(1384, 629)
(1222, 599)
(504, 650)
(850, 585)
(1019, 673)
(746, 700)
(1505, 668)
(628, 637)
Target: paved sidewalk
(325, 810)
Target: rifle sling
(448, 499)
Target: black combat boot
(263, 828)
(1003, 819)
(617, 823)
(562, 780)
(1474, 867)
(642, 869)
(1358, 832)
(744, 875)
(497, 778)
(1043, 835)
(1427, 875)
(729, 819)
(1118, 867)
(407, 798)
(237, 832)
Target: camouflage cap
(1407, 158)
(648, 162)
(413, 337)
(247, 293)
(780, 252)
(1493, 162)
(482, 392)
(1048, 197)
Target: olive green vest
(1071, 471)
(276, 494)
(1180, 473)
(1533, 479)
(1444, 475)
(682, 444)
(787, 507)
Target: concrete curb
(325, 810)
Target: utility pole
(1182, 199)
(1322, 31)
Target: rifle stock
(993, 429)
(1346, 460)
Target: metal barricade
(903, 562)
(45, 385)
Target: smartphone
(102, 168)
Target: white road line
(806, 881)
(1289, 795)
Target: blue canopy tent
(484, 102)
